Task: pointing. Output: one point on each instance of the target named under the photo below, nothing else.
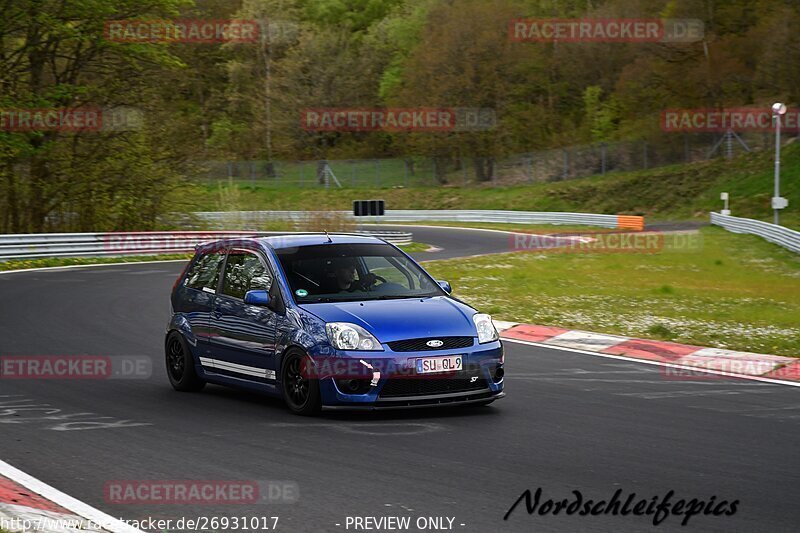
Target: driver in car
(345, 274)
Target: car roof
(310, 239)
(294, 240)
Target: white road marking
(66, 501)
(586, 341)
(684, 393)
(655, 363)
(11, 409)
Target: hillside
(678, 192)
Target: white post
(778, 203)
(724, 197)
(777, 165)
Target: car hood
(391, 320)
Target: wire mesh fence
(532, 167)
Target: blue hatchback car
(335, 322)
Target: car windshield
(353, 272)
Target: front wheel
(300, 392)
(180, 365)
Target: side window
(244, 272)
(204, 274)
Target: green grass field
(678, 192)
(735, 291)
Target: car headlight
(346, 336)
(485, 327)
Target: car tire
(300, 392)
(180, 364)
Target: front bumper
(445, 400)
(477, 383)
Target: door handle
(216, 314)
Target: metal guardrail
(260, 218)
(788, 238)
(33, 246)
(40, 245)
(394, 237)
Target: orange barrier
(630, 222)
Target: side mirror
(260, 298)
(445, 286)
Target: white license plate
(429, 365)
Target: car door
(244, 336)
(196, 299)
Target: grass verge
(24, 264)
(734, 291)
(415, 247)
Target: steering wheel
(368, 281)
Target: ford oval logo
(435, 343)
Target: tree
(53, 55)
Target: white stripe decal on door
(239, 369)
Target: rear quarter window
(204, 273)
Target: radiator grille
(420, 345)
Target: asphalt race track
(571, 422)
(456, 242)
